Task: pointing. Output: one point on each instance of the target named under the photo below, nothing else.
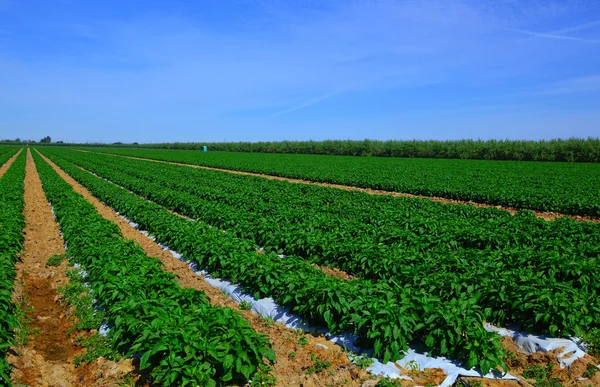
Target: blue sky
(256, 70)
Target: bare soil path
(47, 358)
(546, 215)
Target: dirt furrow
(4, 167)
(546, 215)
(46, 359)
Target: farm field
(477, 250)
(182, 331)
(383, 238)
(396, 273)
(300, 194)
(543, 186)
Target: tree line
(570, 150)
(45, 140)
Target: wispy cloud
(578, 27)
(308, 103)
(552, 35)
(559, 34)
(587, 84)
(367, 83)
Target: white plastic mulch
(266, 307)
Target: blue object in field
(205, 148)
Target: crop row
(181, 338)
(543, 186)
(518, 268)
(6, 153)
(12, 223)
(385, 316)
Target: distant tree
(135, 143)
(17, 139)
(46, 139)
(117, 143)
(59, 142)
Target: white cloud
(308, 103)
(578, 27)
(587, 84)
(552, 36)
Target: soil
(546, 215)
(568, 376)
(334, 272)
(47, 357)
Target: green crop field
(151, 314)
(12, 223)
(397, 273)
(271, 193)
(436, 259)
(571, 188)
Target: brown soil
(334, 272)
(430, 375)
(47, 358)
(546, 215)
(521, 361)
(4, 167)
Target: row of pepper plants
(182, 339)
(12, 223)
(5, 149)
(6, 153)
(518, 269)
(385, 317)
(544, 186)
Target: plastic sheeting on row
(412, 359)
(572, 349)
(267, 307)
